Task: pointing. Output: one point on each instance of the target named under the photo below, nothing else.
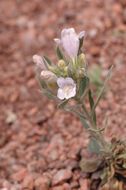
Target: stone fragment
(61, 176)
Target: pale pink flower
(39, 62)
(67, 88)
(70, 41)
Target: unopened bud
(66, 69)
(82, 58)
(39, 62)
(61, 63)
(81, 72)
(48, 76)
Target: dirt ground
(39, 144)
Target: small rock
(20, 175)
(61, 176)
(64, 186)
(42, 182)
(84, 184)
(11, 117)
(54, 154)
(28, 182)
(74, 184)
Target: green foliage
(84, 122)
(80, 46)
(59, 53)
(91, 101)
(83, 85)
(94, 146)
(47, 61)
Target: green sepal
(59, 53)
(47, 61)
(80, 45)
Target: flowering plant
(68, 83)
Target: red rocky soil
(39, 144)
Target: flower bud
(61, 63)
(39, 62)
(70, 41)
(82, 58)
(80, 73)
(66, 69)
(48, 76)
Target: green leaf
(47, 60)
(102, 90)
(91, 101)
(81, 43)
(59, 53)
(83, 84)
(94, 146)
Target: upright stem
(95, 133)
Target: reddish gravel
(39, 145)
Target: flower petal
(69, 80)
(70, 42)
(60, 94)
(67, 31)
(72, 93)
(61, 82)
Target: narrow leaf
(47, 60)
(84, 122)
(59, 53)
(81, 43)
(83, 84)
(91, 101)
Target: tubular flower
(70, 41)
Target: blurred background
(35, 137)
